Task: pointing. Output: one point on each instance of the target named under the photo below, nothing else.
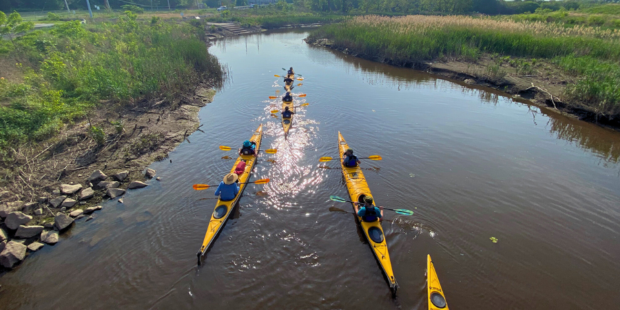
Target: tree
(13, 24)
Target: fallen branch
(548, 93)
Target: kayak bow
(436, 298)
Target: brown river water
(472, 163)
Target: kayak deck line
(358, 189)
(223, 209)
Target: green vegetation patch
(71, 69)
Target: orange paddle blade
(300, 79)
(299, 84)
(276, 75)
(275, 111)
(324, 159)
(375, 157)
(302, 95)
(272, 97)
(225, 148)
(304, 104)
(200, 187)
(271, 151)
(261, 181)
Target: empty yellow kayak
(223, 208)
(358, 189)
(436, 298)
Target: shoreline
(64, 179)
(541, 91)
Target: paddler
(249, 148)
(367, 211)
(288, 80)
(228, 188)
(350, 160)
(287, 113)
(290, 71)
(288, 97)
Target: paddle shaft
(384, 208)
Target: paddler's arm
(219, 189)
(381, 217)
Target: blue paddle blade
(338, 199)
(403, 211)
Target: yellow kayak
(436, 298)
(223, 208)
(358, 189)
(287, 122)
(287, 86)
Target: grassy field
(588, 52)
(51, 78)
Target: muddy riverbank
(544, 89)
(64, 179)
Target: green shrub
(132, 8)
(52, 16)
(97, 134)
(595, 20)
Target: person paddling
(367, 211)
(291, 72)
(228, 188)
(287, 113)
(288, 97)
(249, 148)
(350, 160)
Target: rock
(38, 211)
(115, 192)
(82, 203)
(55, 203)
(158, 179)
(42, 199)
(62, 221)
(63, 209)
(150, 173)
(107, 184)
(68, 203)
(89, 218)
(137, 184)
(49, 237)
(2, 246)
(79, 216)
(121, 176)
(26, 232)
(3, 235)
(48, 225)
(12, 254)
(15, 219)
(97, 177)
(56, 192)
(470, 81)
(35, 246)
(28, 207)
(7, 208)
(22, 241)
(90, 210)
(67, 189)
(76, 213)
(120, 200)
(87, 193)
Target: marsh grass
(68, 71)
(588, 52)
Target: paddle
(304, 105)
(371, 157)
(300, 79)
(200, 187)
(273, 97)
(399, 211)
(302, 95)
(228, 148)
(276, 75)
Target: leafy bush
(97, 134)
(133, 8)
(595, 20)
(52, 16)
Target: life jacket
(370, 215)
(240, 168)
(287, 98)
(350, 161)
(247, 150)
(290, 72)
(287, 114)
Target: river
(471, 163)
